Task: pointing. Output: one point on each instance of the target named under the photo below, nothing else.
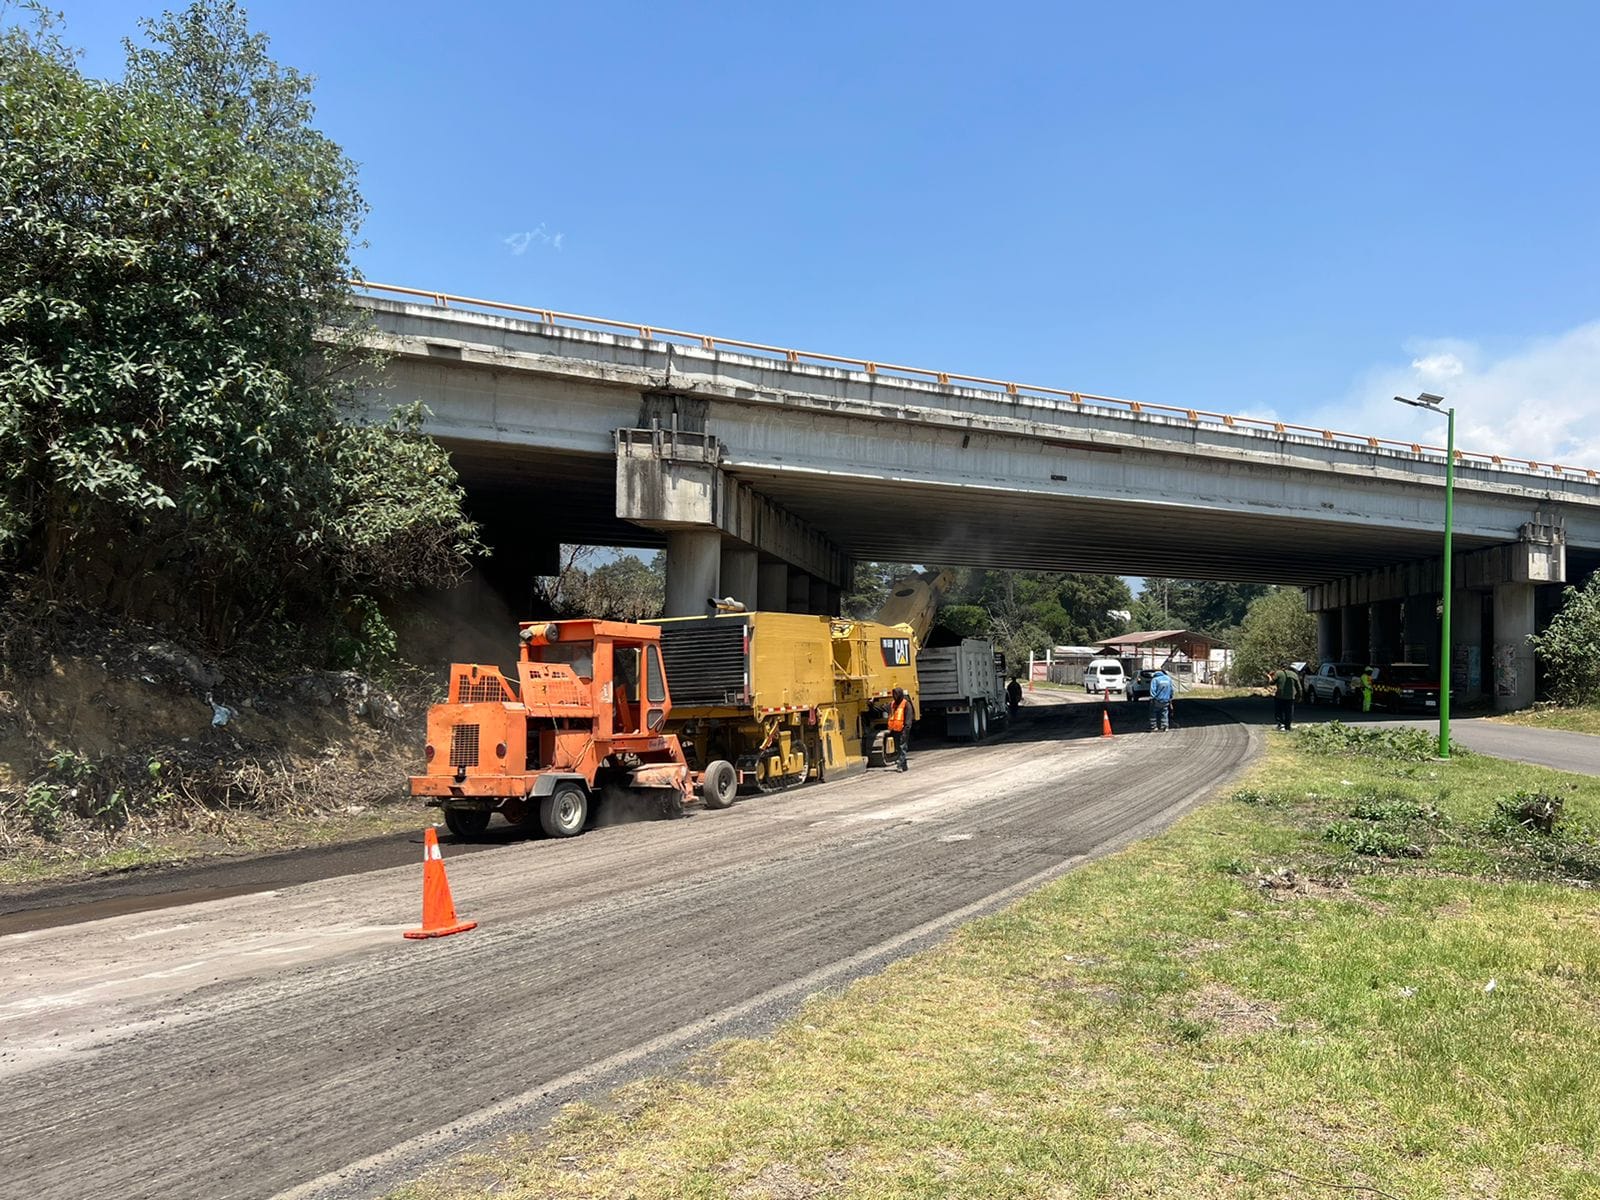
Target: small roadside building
(1177, 651)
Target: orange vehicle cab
(583, 725)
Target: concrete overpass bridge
(766, 471)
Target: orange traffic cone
(1105, 722)
(438, 910)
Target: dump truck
(785, 697)
(963, 688)
(584, 724)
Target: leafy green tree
(625, 589)
(1570, 646)
(177, 348)
(1276, 630)
(1203, 605)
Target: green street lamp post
(1436, 404)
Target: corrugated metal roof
(1145, 638)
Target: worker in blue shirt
(1160, 700)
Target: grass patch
(1243, 1007)
(1584, 719)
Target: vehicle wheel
(466, 822)
(971, 730)
(719, 784)
(983, 721)
(562, 813)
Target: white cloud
(1439, 366)
(1539, 400)
(520, 241)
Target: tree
(1570, 646)
(178, 351)
(1276, 630)
(625, 589)
(1202, 605)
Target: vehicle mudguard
(547, 783)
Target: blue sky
(1260, 208)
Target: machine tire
(719, 784)
(983, 721)
(467, 823)
(564, 812)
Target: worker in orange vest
(901, 716)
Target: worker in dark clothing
(1014, 695)
(1286, 688)
(902, 715)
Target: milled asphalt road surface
(290, 1042)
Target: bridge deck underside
(906, 521)
(572, 497)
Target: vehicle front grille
(463, 745)
(482, 690)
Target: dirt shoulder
(122, 751)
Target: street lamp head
(1425, 400)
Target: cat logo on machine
(896, 652)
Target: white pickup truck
(1334, 683)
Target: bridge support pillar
(1353, 632)
(740, 575)
(694, 565)
(819, 598)
(1513, 656)
(1385, 644)
(772, 587)
(1466, 644)
(799, 592)
(1421, 630)
(1327, 635)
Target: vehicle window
(577, 655)
(655, 678)
(625, 666)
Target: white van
(1103, 675)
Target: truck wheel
(466, 822)
(562, 813)
(719, 784)
(983, 721)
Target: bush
(1390, 806)
(1363, 837)
(1404, 745)
(1570, 646)
(1528, 811)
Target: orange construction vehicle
(584, 723)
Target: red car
(1406, 685)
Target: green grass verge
(1578, 720)
(1246, 1006)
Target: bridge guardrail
(1193, 416)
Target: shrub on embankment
(179, 357)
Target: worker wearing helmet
(901, 715)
